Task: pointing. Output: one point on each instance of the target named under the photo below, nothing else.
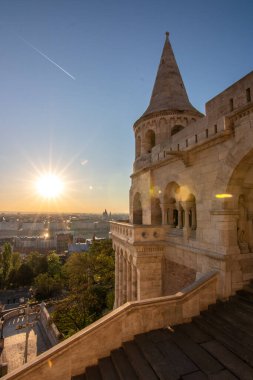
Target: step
(79, 377)
(182, 364)
(124, 369)
(93, 373)
(229, 360)
(236, 320)
(193, 332)
(223, 338)
(232, 330)
(141, 366)
(198, 375)
(245, 295)
(162, 367)
(196, 353)
(107, 370)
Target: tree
(90, 280)
(37, 262)
(6, 260)
(24, 275)
(46, 286)
(54, 264)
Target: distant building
(62, 241)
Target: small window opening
(186, 142)
(196, 138)
(206, 132)
(231, 104)
(248, 95)
(177, 146)
(215, 128)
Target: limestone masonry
(191, 198)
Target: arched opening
(150, 140)
(137, 209)
(156, 211)
(240, 186)
(171, 200)
(177, 128)
(138, 146)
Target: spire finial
(167, 35)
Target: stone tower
(191, 198)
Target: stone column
(129, 281)
(124, 281)
(180, 218)
(194, 219)
(134, 283)
(116, 303)
(120, 281)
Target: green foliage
(38, 263)
(90, 280)
(47, 286)
(6, 260)
(24, 275)
(54, 264)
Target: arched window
(137, 209)
(138, 146)
(149, 140)
(177, 128)
(156, 211)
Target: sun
(49, 186)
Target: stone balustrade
(83, 349)
(138, 233)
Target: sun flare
(49, 186)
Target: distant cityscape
(64, 233)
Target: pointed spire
(168, 92)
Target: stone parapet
(132, 233)
(83, 349)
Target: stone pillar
(120, 281)
(180, 218)
(150, 272)
(129, 281)
(124, 281)
(164, 212)
(134, 283)
(116, 303)
(187, 229)
(194, 218)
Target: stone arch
(137, 209)
(240, 186)
(156, 211)
(149, 141)
(171, 201)
(138, 146)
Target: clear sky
(76, 118)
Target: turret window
(138, 146)
(248, 95)
(150, 140)
(177, 128)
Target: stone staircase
(216, 345)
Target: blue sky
(82, 129)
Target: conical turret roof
(169, 93)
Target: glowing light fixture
(222, 196)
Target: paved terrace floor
(15, 341)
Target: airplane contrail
(46, 57)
